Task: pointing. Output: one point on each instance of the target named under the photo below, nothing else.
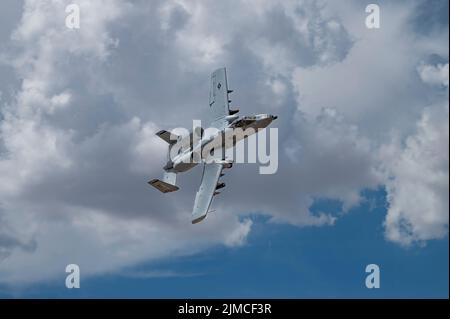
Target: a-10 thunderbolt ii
(223, 121)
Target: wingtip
(199, 219)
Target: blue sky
(359, 109)
(282, 261)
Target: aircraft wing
(203, 199)
(218, 98)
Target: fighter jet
(223, 119)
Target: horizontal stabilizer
(163, 186)
(166, 136)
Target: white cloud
(376, 89)
(434, 74)
(239, 235)
(418, 177)
(99, 242)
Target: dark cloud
(431, 17)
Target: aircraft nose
(274, 117)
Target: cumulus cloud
(372, 90)
(434, 74)
(77, 141)
(67, 183)
(418, 176)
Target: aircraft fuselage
(218, 140)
